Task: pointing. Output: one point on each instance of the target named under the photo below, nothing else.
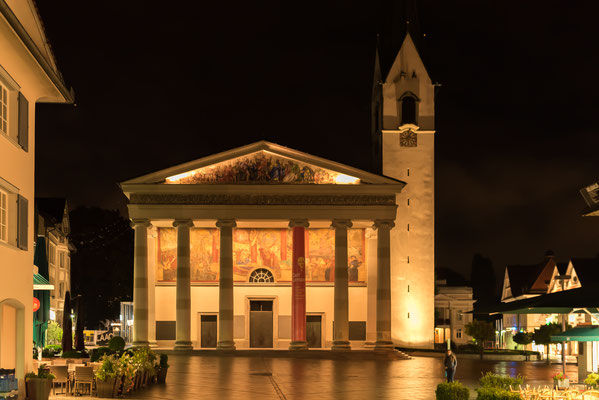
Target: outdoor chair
(61, 374)
(59, 361)
(84, 376)
(590, 395)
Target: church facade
(268, 247)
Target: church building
(264, 246)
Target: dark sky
(158, 84)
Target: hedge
(452, 391)
(493, 393)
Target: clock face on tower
(408, 138)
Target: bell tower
(403, 148)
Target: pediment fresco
(262, 167)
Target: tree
(67, 324)
(54, 333)
(542, 335)
(523, 338)
(482, 276)
(480, 331)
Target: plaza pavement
(212, 377)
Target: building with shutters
(266, 246)
(28, 76)
(52, 222)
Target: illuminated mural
(262, 167)
(259, 248)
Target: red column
(298, 286)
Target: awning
(579, 334)
(41, 283)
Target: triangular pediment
(262, 163)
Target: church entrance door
(261, 324)
(209, 330)
(313, 331)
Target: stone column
(383, 292)
(371, 264)
(341, 326)
(298, 286)
(140, 282)
(183, 285)
(225, 285)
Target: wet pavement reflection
(202, 377)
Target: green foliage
(522, 338)
(480, 332)
(110, 368)
(493, 393)
(97, 353)
(592, 380)
(164, 361)
(54, 334)
(74, 354)
(41, 373)
(491, 380)
(542, 334)
(452, 391)
(51, 350)
(116, 344)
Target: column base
(183, 345)
(298, 345)
(153, 343)
(341, 345)
(383, 345)
(225, 345)
(369, 344)
(143, 343)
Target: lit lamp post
(563, 279)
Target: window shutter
(22, 225)
(23, 122)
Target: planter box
(161, 375)
(38, 388)
(106, 388)
(562, 383)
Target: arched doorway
(12, 336)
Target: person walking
(450, 362)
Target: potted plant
(561, 380)
(107, 376)
(592, 380)
(127, 370)
(38, 385)
(162, 368)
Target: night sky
(158, 84)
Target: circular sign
(36, 304)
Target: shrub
(54, 333)
(164, 361)
(116, 344)
(96, 354)
(491, 380)
(452, 391)
(110, 368)
(56, 348)
(41, 373)
(493, 393)
(74, 354)
(592, 380)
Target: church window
(408, 227)
(261, 275)
(408, 110)
(408, 202)
(458, 334)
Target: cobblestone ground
(201, 377)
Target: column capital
(341, 223)
(299, 223)
(140, 223)
(383, 224)
(226, 223)
(183, 223)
